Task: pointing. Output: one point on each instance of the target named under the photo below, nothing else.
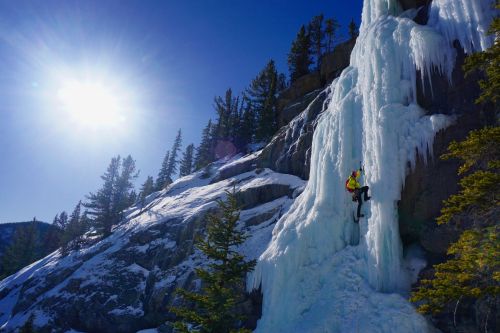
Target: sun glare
(90, 104)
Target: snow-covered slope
(124, 282)
(321, 273)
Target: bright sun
(90, 104)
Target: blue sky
(166, 60)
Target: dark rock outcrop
(333, 63)
(429, 184)
(290, 149)
(297, 90)
(409, 4)
(295, 99)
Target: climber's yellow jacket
(352, 182)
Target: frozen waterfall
(321, 272)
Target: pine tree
(227, 112)
(263, 93)
(473, 270)
(74, 230)
(61, 221)
(100, 204)
(22, 250)
(317, 35)
(163, 178)
(186, 166)
(173, 161)
(132, 198)
(353, 30)
(204, 154)
(123, 187)
(331, 27)
(223, 281)
(146, 189)
(53, 237)
(299, 58)
(481, 152)
(247, 128)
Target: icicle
(464, 20)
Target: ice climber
(353, 186)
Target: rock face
(408, 4)
(125, 282)
(293, 100)
(332, 64)
(290, 149)
(429, 184)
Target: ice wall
(464, 20)
(320, 272)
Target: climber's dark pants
(357, 193)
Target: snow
(321, 272)
(98, 268)
(129, 310)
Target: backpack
(350, 190)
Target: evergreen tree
(223, 282)
(173, 161)
(299, 58)
(186, 166)
(317, 35)
(479, 152)
(146, 189)
(132, 198)
(100, 204)
(282, 83)
(263, 93)
(22, 250)
(123, 187)
(74, 230)
(247, 128)
(61, 221)
(473, 270)
(353, 30)
(331, 27)
(227, 112)
(53, 236)
(163, 178)
(204, 154)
